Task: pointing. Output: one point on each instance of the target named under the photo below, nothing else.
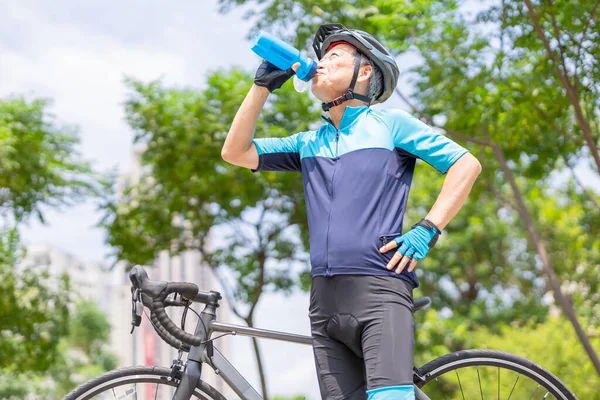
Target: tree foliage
(82, 353)
(33, 311)
(249, 228)
(39, 163)
(40, 169)
(551, 344)
(517, 82)
(187, 192)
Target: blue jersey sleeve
(278, 154)
(422, 141)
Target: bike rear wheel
(137, 383)
(489, 374)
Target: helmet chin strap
(349, 95)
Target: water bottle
(283, 56)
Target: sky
(77, 54)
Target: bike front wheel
(138, 383)
(488, 374)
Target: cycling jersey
(356, 183)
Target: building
(90, 280)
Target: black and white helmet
(368, 46)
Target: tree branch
(406, 100)
(540, 33)
(586, 27)
(502, 32)
(499, 195)
(534, 237)
(561, 48)
(579, 183)
(538, 243)
(261, 218)
(429, 120)
(261, 257)
(464, 138)
(228, 293)
(208, 258)
(274, 233)
(572, 93)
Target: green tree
(40, 169)
(250, 229)
(568, 222)
(89, 330)
(550, 344)
(82, 354)
(567, 37)
(480, 269)
(39, 163)
(85, 353)
(488, 81)
(33, 311)
(507, 105)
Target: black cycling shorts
(363, 333)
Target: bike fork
(189, 380)
(197, 355)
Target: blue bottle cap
(310, 73)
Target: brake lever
(182, 302)
(137, 308)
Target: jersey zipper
(335, 159)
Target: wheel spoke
(479, 379)
(498, 383)
(459, 385)
(135, 383)
(536, 389)
(518, 380)
(513, 388)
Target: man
(357, 170)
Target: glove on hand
(271, 77)
(415, 242)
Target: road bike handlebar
(153, 295)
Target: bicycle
(182, 381)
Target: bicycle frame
(207, 353)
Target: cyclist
(357, 170)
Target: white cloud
(83, 74)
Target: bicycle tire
(133, 375)
(481, 357)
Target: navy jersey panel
(278, 154)
(356, 183)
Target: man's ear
(365, 73)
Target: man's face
(334, 73)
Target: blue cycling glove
(418, 240)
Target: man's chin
(316, 94)
(322, 97)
